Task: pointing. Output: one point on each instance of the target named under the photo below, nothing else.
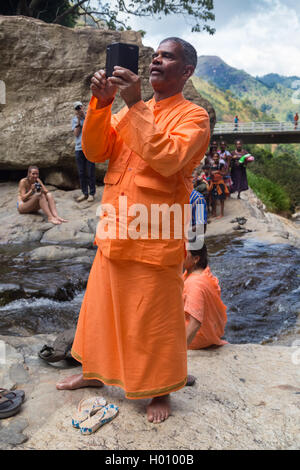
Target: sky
(258, 36)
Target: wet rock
(12, 433)
(55, 253)
(10, 292)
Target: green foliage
(270, 94)
(66, 11)
(280, 169)
(42, 9)
(271, 194)
(227, 105)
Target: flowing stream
(259, 282)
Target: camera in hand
(122, 54)
(38, 187)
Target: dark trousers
(87, 174)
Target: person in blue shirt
(198, 222)
(86, 169)
(198, 209)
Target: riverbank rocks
(79, 232)
(257, 224)
(58, 63)
(245, 397)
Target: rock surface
(58, 62)
(245, 397)
(78, 232)
(260, 225)
(82, 218)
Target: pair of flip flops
(10, 402)
(92, 413)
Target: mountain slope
(272, 93)
(226, 105)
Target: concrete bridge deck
(258, 132)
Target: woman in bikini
(33, 196)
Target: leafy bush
(281, 168)
(271, 194)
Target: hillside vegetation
(271, 94)
(275, 178)
(226, 105)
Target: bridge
(258, 132)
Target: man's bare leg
(159, 409)
(52, 207)
(214, 209)
(74, 382)
(222, 210)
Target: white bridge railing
(255, 127)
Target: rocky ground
(245, 397)
(58, 242)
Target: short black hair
(190, 53)
(202, 253)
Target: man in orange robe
(131, 328)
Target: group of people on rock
(223, 173)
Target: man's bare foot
(77, 381)
(54, 221)
(220, 217)
(159, 409)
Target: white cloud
(266, 42)
(262, 41)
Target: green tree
(115, 14)
(282, 169)
(54, 11)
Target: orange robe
(202, 300)
(131, 329)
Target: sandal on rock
(12, 394)
(103, 416)
(48, 354)
(60, 349)
(87, 408)
(9, 407)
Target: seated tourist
(33, 196)
(204, 310)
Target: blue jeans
(87, 174)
